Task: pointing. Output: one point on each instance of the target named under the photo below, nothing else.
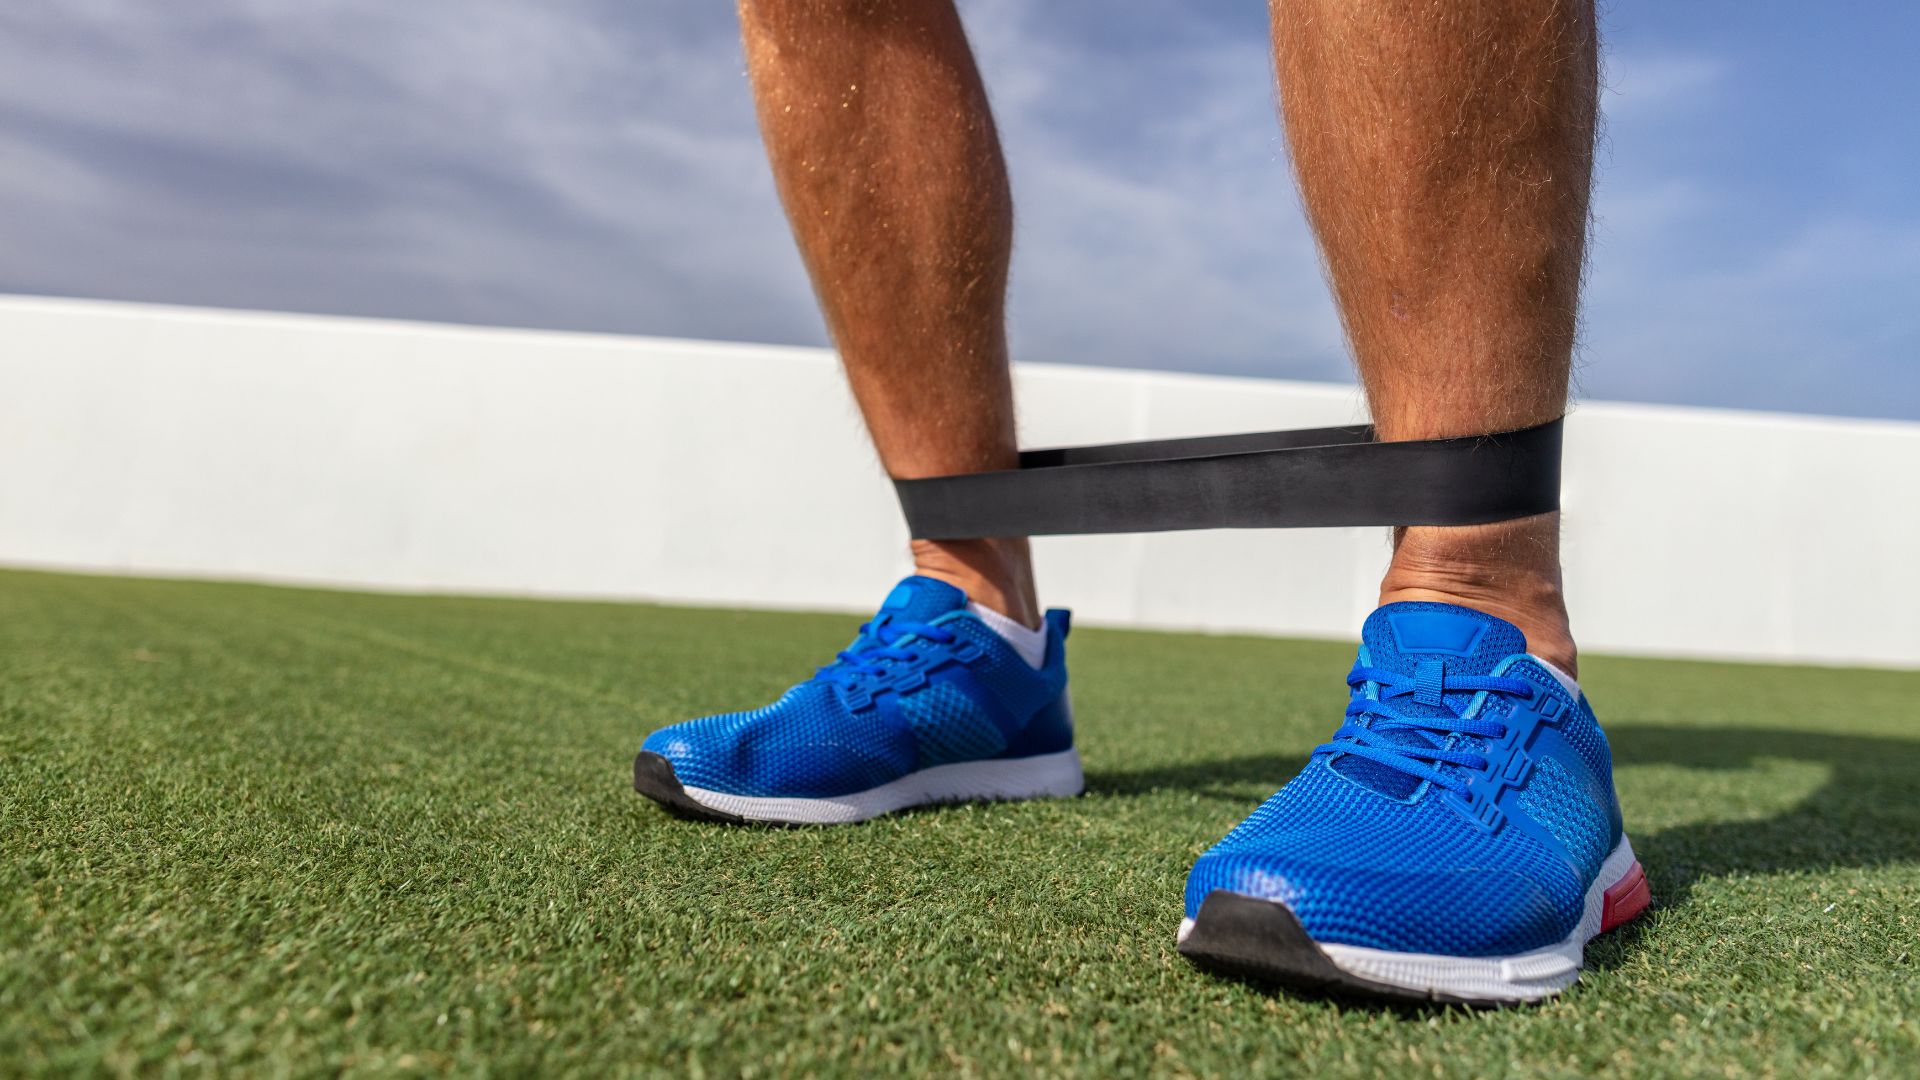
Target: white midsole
(1041, 776)
(1527, 976)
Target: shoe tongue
(1409, 639)
(1399, 637)
(923, 599)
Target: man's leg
(1458, 839)
(887, 160)
(886, 157)
(1445, 152)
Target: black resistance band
(1266, 480)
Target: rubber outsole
(1262, 941)
(1055, 775)
(653, 776)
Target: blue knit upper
(1463, 809)
(924, 683)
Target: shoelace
(871, 652)
(1429, 685)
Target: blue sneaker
(928, 705)
(1458, 841)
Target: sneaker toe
(802, 746)
(1448, 912)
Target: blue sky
(593, 165)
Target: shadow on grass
(1227, 779)
(1865, 814)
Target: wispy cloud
(1159, 225)
(1645, 83)
(1711, 285)
(493, 162)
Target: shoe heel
(1625, 899)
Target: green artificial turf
(275, 830)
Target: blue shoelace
(874, 649)
(1416, 757)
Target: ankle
(1510, 570)
(996, 574)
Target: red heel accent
(1625, 899)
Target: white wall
(159, 440)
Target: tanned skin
(1444, 151)
(888, 163)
